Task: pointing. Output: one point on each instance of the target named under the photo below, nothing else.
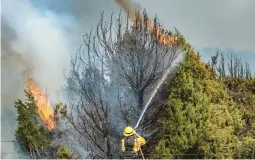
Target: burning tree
(129, 58)
(43, 108)
(37, 126)
(30, 133)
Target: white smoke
(40, 36)
(40, 45)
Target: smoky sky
(208, 23)
(205, 23)
(40, 36)
(85, 12)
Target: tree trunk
(108, 145)
(140, 107)
(140, 100)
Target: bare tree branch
(133, 62)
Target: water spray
(155, 91)
(131, 9)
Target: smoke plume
(40, 46)
(36, 43)
(40, 38)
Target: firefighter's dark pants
(129, 155)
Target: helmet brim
(128, 134)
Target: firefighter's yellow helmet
(128, 131)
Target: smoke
(46, 34)
(217, 23)
(40, 46)
(40, 37)
(34, 42)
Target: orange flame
(44, 110)
(131, 9)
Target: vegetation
(29, 133)
(32, 137)
(203, 111)
(64, 153)
(208, 114)
(134, 61)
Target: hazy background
(210, 25)
(40, 36)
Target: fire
(130, 8)
(44, 110)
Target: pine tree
(200, 120)
(240, 85)
(243, 94)
(30, 134)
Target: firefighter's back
(129, 145)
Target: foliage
(206, 113)
(30, 133)
(32, 136)
(246, 148)
(64, 153)
(240, 85)
(132, 63)
(60, 110)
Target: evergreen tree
(200, 119)
(240, 85)
(30, 134)
(243, 94)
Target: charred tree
(129, 58)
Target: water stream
(156, 89)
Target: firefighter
(131, 143)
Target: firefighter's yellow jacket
(138, 142)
